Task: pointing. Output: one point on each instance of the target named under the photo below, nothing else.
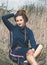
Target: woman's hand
(31, 51)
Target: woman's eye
(20, 19)
(17, 20)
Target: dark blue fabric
(16, 59)
(18, 33)
(20, 52)
(17, 36)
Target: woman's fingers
(30, 52)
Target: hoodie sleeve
(32, 40)
(8, 24)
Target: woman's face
(20, 21)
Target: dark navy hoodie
(17, 37)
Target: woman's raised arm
(8, 24)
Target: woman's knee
(30, 59)
(40, 46)
(28, 56)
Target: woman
(21, 36)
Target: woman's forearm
(8, 24)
